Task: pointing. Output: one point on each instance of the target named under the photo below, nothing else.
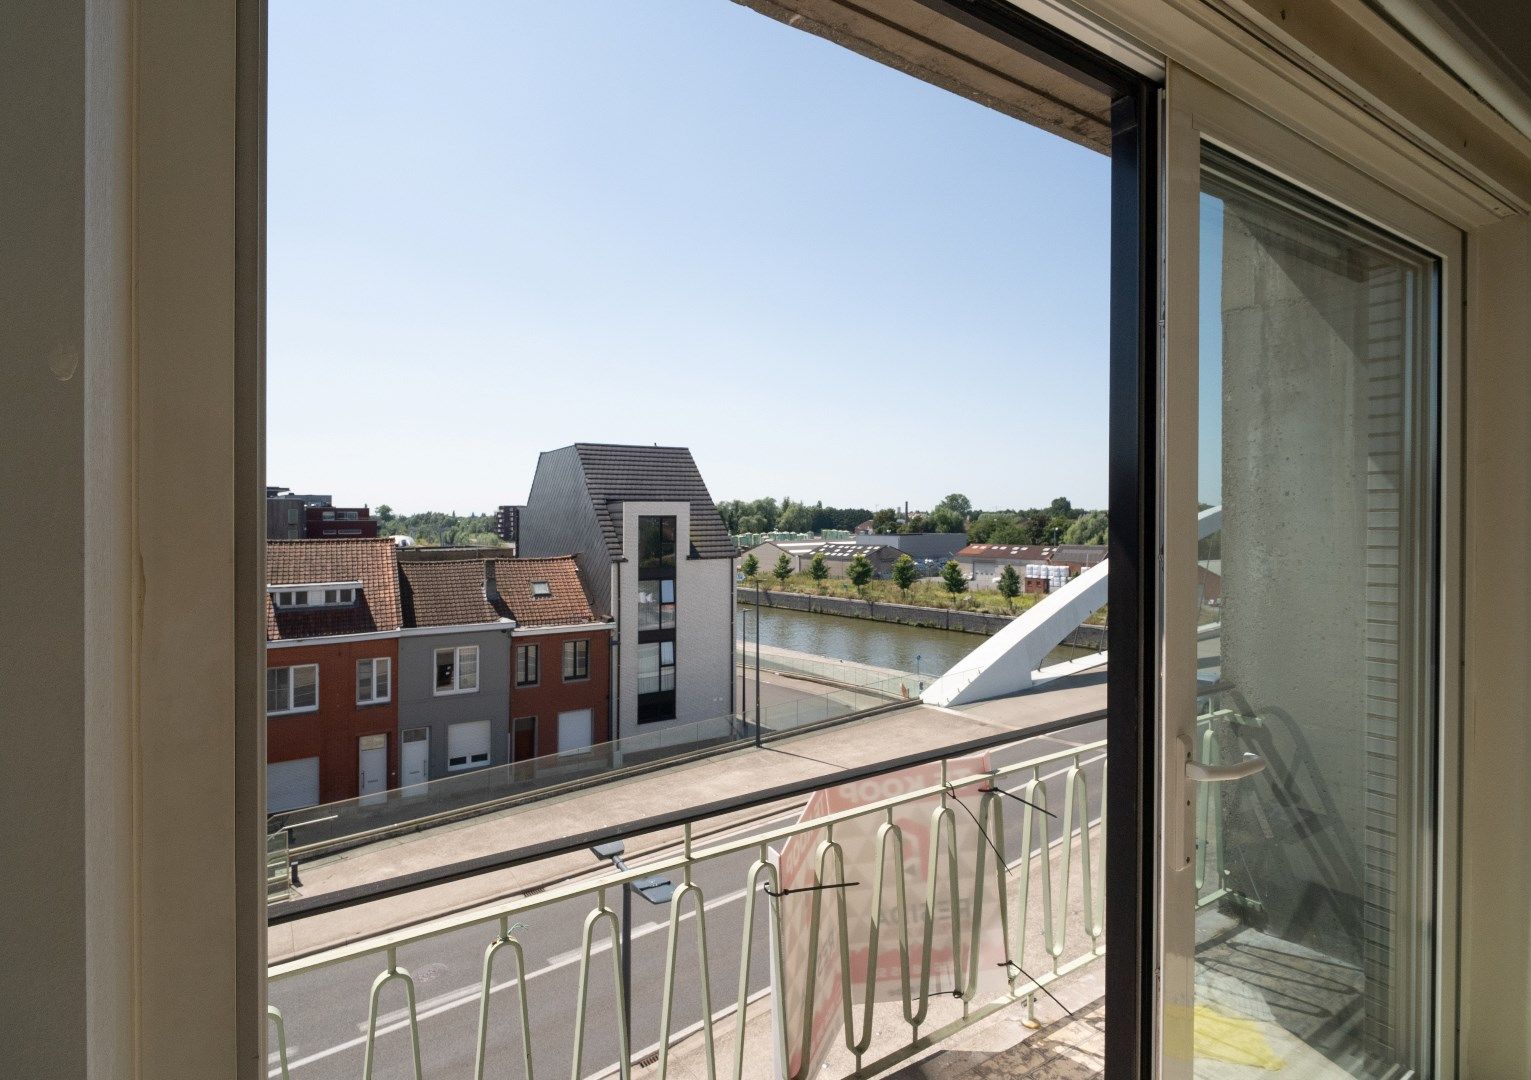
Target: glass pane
(445, 665)
(305, 687)
(467, 675)
(1316, 595)
(364, 680)
(383, 677)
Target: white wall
(703, 620)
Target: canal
(889, 645)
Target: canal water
(889, 645)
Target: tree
(943, 519)
(954, 579)
(958, 504)
(751, 570)
(795, 518)
(905, 574)
(859, 570)
(1061, 507)
(885, 521)
(1088, 528)
(783, 569)
(1009, 584)
(818, 570)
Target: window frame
(532, 650)
(578, 650)
(292, 710)
(458, 652)
(375, 698)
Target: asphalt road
(326, 1010)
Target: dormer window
(541, 588)
(318, 595)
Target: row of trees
(1059, 522)
(434, 528)
(904, 573)
(767, 515)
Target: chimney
(491, 586)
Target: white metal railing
(1035, 891)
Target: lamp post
(656, 890)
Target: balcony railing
(1015, 848)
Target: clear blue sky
(497, 228)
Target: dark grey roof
(618, 474)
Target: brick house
(501, 659)
(332, 643)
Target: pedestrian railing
(1008, 900)
(319, 830)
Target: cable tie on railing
(1009, 963)
(1017, 798)
(808, 888)
(981, 830)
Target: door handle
(1249, 765)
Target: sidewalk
(886, 736)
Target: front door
(415, 760)
(372, 767)
(1299, 807)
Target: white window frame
(458, 653)
(375, 664)
(291, 682)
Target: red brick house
(332, 643)
(562, 657)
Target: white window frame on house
(459, 652)
(576, 660)
(337, 594)
(370, 673)
(531, 652)
(291, 691)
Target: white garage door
(291, 784)
(468, 745)
(574, 730)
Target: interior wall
(1495, 944)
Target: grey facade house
(654, 552)
(453, 685)
(921, 547)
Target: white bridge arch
(1011, 660)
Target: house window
(457, 670)
(527, 673)
(656, 604)
(541, 588)
(656, 681)
(656, 547)
(374, 680)
(292, 689)
(576, 659)
(340, 596)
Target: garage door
(468, 745)
(574, 730)
(291, 784)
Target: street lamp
(656, 890)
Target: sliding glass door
(1299, 780)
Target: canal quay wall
(1086, 636)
